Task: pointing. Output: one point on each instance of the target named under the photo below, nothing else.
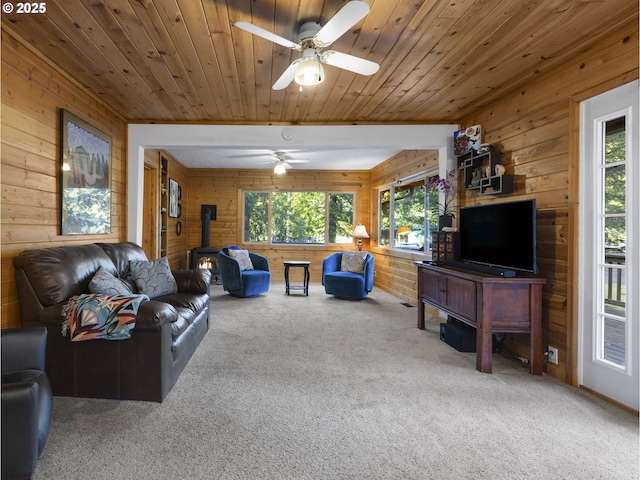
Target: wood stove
(206, 256)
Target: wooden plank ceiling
(185, 61)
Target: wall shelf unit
(164, 204)
(486, 185)
(496, 184)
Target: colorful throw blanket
(98, 316)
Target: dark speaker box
(461, 336)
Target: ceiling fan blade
(261, 32)
(347, 17)
(283, 156)
(349, 62)
(287, 77)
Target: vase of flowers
(445, 207)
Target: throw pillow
(353, 261)
(242, 256)
(106, 283)
(153, 278)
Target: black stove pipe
(207, 213)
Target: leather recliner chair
(27, 400)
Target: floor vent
(407, 304)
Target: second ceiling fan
(312, 40)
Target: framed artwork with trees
(86, 178)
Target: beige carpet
(318, 388)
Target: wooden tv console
(489, 303)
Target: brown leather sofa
(168, 328)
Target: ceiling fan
(312, 40)
(281, 163)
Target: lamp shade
(360, 232)
(309, 71)
(279, 169)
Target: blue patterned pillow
(353, 261)
(153, 278)
(104, 282)
(242, 256)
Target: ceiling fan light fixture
(279, 169)
(309, 71)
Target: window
(612, 294)
(256, 213)
(307, 218)
(405, 210)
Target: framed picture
(466, 140)
(86, 177)
(174, 196)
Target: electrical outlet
(552, 355)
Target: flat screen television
(500, 236)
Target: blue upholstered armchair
(352, 278)
(244, 274)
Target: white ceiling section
(262, 158)
(309, 140)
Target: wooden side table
(297, 263)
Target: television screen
(500, 235)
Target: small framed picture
(174, 193)
(466, 140)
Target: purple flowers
(446, 186)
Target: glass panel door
(609, 267)
(613, 332)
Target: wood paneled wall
(223, 188)
(178, 244)
(536, 127)
(33, 92)
(395, 271)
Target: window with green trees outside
(307, 218)
(407, 217)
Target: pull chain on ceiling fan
(312, 40)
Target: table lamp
(360, 232)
